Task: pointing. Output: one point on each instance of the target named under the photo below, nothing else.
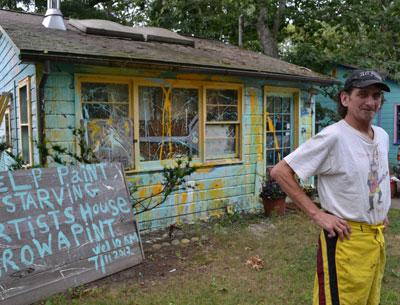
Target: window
(222, 124)
(105, 111)
(397, 124)
(25, 124)
(279, 123)
(167, 120)
(5, 116)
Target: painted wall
(13, 71)
(385, 118)
(219, 186)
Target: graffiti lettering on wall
(66, 225)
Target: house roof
(37, 43)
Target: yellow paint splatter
(253, 102)
(142, 193)
(156, 189)
(215, 190)
(182, 199)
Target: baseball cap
(365, 78)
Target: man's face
(362, 103)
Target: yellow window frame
(135, 82)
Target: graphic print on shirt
(374, 181)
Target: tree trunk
(267, 40)
(269, 37)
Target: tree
(218, 19)
(361, 33)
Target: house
(148, 95)
(388, 117)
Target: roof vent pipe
(54, 18)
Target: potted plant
(272, 196)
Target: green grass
(216, 273)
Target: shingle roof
(36, 42)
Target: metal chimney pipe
(54, 18)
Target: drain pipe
(41, 112)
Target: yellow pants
(350, 272)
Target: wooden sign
(62, 227)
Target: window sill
(157, 167)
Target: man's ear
(344, 98)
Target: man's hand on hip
(333, 225)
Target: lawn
(214, 271)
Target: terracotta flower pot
(277, 206)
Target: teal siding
(386, 118)
(13, 71)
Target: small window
(168, 122)
(397, 125)
(222, 132)
(105, 110)
(25, 124)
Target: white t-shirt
(352, 170)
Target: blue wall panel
(12, 71)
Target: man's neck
(364, 128)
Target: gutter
(40, 56)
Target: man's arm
(284, 175)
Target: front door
(279, 126)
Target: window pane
(97, 111)
(278, 122)
(222, 113)
(25, 143)
(112, 140)
(168, 129)
(270, 140)
(286, 104)
(270, 104)
(105, 92)
(220, 141)
(277, 104)
(23, 103)
(222, 105)
(105, 109)
(270, 157)
(286, 122)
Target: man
(350, 159)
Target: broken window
(168, 122)
(222, 124)
(105, 109)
